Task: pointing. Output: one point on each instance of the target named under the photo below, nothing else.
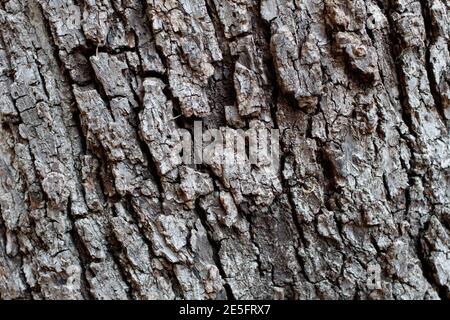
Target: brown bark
(93, 92)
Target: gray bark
(93, 207)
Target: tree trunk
(94, 204)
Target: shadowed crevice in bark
(427, 267)
(431, 38)
(216, 249)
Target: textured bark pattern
(92, 93)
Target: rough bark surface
(92, 93)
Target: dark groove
(429, 66)
(215, 246)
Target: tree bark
(94, 207)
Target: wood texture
(94, 92)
